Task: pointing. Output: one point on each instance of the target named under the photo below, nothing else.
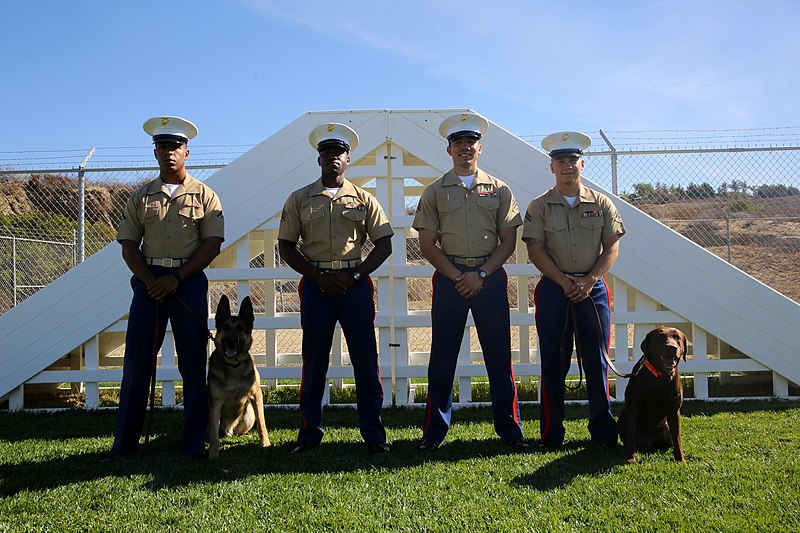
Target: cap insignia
(164, 121)
(565, 136)
(330, 127)
(464, 117)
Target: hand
(469, 284)
(333, 283)
(580, 288)
(162, 287)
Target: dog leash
(603, 343)
(570, 314)
(154, 363)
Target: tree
(703, 190)
(775, 191)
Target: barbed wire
(715, 138)
(223, 154)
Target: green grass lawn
(743, 474)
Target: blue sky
(87, 73)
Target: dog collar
(653, 370)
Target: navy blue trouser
(553, 325)
(448, 319)
(355, 312)
(190, 345)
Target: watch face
(356, 276)
(482, 273)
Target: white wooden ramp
(679, 281)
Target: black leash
(154, 364)
(570, 314)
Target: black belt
(468, 261)
(165, 262)
(337, 265)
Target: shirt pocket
(314, 221)
(151, 218)
(151, 210)
(592, 223)
(447, 203)
(355, 215)
(349, 229)
(190, 215)
(487, 202)
(554, 225)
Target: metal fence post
(14, 266)
(728, 234)
(613, 163)
(81, 206)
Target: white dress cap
(333, 134)
(463, 125)
(566, 143)
(170, 129)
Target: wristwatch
(356, 275)
(482, 273)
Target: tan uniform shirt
(467, 222)
(332, 228)
(172, 226)
(572, 236)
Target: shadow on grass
(162, 466)
(576, 458)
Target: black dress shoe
(303, 446)
(429, 445)
(110, 457)
(518, 444)
(548, 445)
(378, 447)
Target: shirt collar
(347, 188)
(190, 185)
(451, 178)
(585, 195)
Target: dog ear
(684, 344)
(223, 310)
(646, 341)
(246, 311)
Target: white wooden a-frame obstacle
(660, 277)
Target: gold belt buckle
(470, 262)
(166, 262)
(336, 265)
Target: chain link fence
(740, 203)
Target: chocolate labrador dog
(651, 417)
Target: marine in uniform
(332, 218)
(172, 228)
(467, 222)
(572, 233)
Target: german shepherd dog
(234, 386)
